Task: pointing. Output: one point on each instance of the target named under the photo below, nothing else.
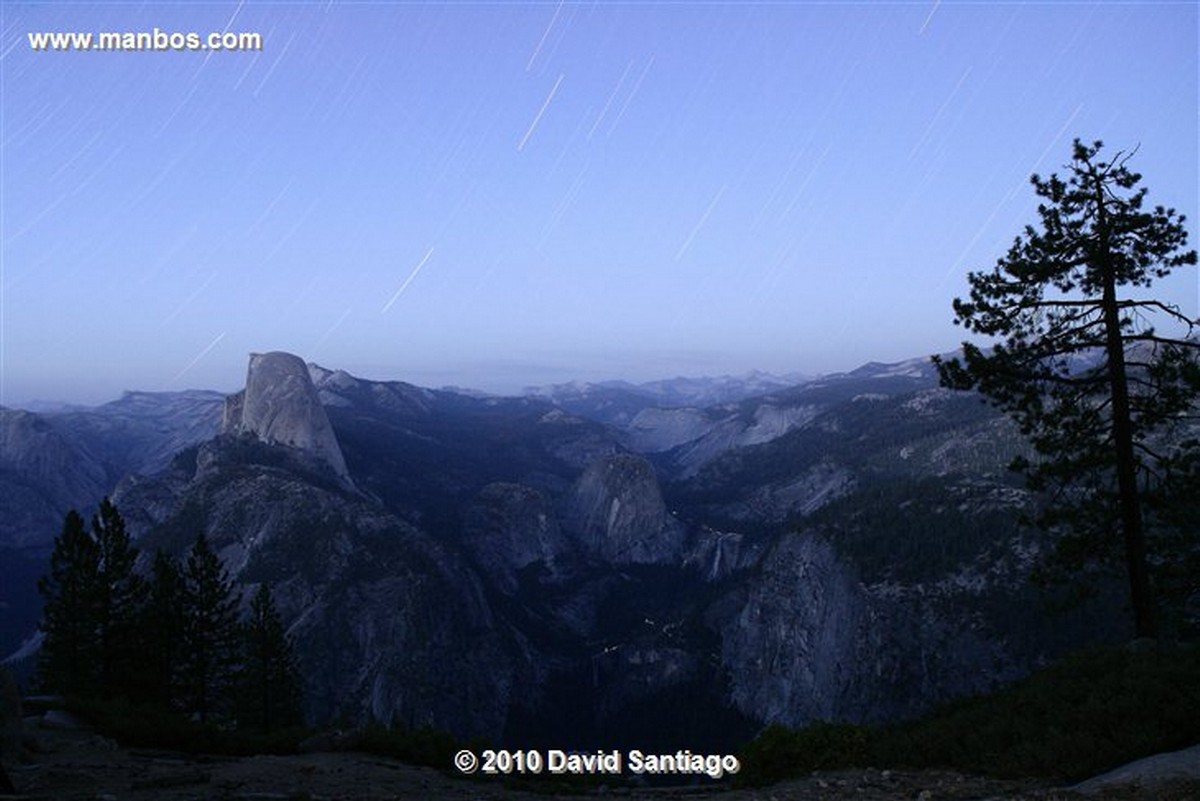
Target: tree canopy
(1108, 401)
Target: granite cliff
(280, 406)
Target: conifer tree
(270, 686)
(121, 594)
(93, 605)
(1104, 398)
(162, 633)
(210, 658)
(69, 659)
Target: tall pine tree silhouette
(210, 657)
(270, 686)
(1104, 398)
(163, 626)
(120, 595)
(68, 662)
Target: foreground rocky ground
(79, 766)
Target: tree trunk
(1145, 622)
(6, 786)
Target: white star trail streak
(542, 41)
(533, 125)
(632, 93)
(199, 356)
(1004, 201)
(611, 97)
(407, 281)
(189, 299)
(687, 242)
(938, 115)
(332, 328)
(929, 16)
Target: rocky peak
(280, 406)
(616, 511)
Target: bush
(779, 753)
(423, 746)
(1090, 713)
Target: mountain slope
(844, 548)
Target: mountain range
(672, 565)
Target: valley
(590, 564)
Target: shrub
(779, 752)
(1089, 713)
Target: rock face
(280, 406)
(655, 430)
(54, 461)
(616, 511)
(44, 470)
(807, 639)
(510, 527)
(717, 554)
(791, 646)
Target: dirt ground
(77, 765)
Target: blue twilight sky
(505, 193)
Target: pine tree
(1104, 399)
(94, 601)
(121, 595)
(163, 625)
(270, 686)
(69, 659)
(210, 659)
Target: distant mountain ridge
(618, 401)
(54, 461)
(845, 547)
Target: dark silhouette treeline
(172, 640)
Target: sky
(502, 194)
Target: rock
(44, 469)
(510, 527)
(54, 461)
(1149, 773)
(717, 554)
(280, 406)
(654, 430)
(791, 646)
(616, 512)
